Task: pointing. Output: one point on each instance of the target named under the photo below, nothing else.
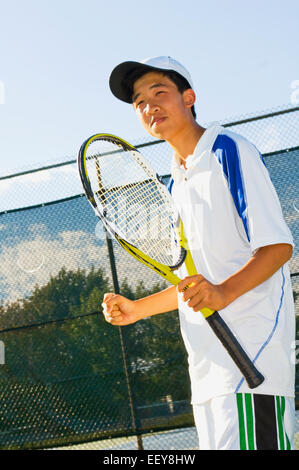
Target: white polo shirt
(229, 209)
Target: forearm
(266, 261)
(160, 302)
(118, 310)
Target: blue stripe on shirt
(268, 339)
(170, 184)
(226, 151)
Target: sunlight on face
(161, 108)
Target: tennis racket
(137, 209)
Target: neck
(185, 142)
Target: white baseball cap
(119, 77)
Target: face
(161, 108)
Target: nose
(151, 108)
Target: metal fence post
(117, 291)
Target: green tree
(69, 362)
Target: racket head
(132, 202)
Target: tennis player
(240, 244)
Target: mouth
(157, 121)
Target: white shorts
(246, 422)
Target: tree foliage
(67, 359)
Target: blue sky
(56, 57)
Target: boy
(240, 245)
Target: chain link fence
(66, 376)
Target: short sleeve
(253, 192)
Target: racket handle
(252, 376)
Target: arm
(262, 265)
(119, 310)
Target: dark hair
(180, 82)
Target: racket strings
(135, 203)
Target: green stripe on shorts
(262, 422)
(246, 421)
(249, 421)
(242, 431)
(284, 442)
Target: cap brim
(118, 83)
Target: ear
(189, 97)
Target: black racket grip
(252, 376)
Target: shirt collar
(204, 144)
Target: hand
(119, 310)
(203, 293)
